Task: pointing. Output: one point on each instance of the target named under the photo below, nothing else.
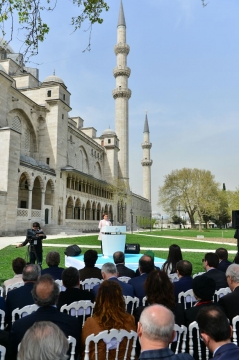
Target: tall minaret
(146, 162)
(121, 94)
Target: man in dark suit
(216, 333)
(45, 294)
(53, 261)
(22, 296)
(71, 281)
(109, 272)
(146, 264)
(210, 264)
(223, 259)
(155, 331)
(230, 301)
(184, 271)
(90, 270)
(119, 260)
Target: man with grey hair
(109, 272)
(230, 301)
(43, 340)
(45, 294)
(22, 296)
(156, 331)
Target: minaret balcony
(121, 49)
(122, 71)
(121, 93)
(146, 145)
(146, 162)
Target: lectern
(113, 239)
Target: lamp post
(131, 213)
(150, 217)
(162, 224)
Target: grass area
(10, 252)
(207, 233)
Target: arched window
(16, 124)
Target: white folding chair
(200, 273)
(26, 310)
(2, 314)
(1, 291)
(180, 338)
(133, 300)
(72, 342)
(88, 284)
(124, 279)
(112, 340)
(61, 286)
(2, 352)
(79, 308)
(234, 329)
(144, 300)
(193, 327)
(221, 292)
(173, 277)
(188, 297)
(14, 286)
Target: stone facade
(53, 170)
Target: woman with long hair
(109, 313)
(174, 255)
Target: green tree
(195, 189)
(30, 15)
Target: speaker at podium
(113, 239)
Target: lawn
(10, 252)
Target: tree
(195, 189)
(30, 18)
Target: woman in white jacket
(103, 222)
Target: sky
(184, 61)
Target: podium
(113, 239)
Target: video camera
(32, 234)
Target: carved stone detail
(123, 92)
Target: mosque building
(53, 169)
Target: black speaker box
(132, 249)
(235, 219)
(72, 250)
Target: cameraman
(34, 238)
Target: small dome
(108, 132)
(54, 78)
(4, 45)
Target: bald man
(45, 294)
(156, 332)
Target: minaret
(121, 94)
(146, 162)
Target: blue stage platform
(131, 261)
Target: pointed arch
(69, 208)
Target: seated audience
(18, 265)
(71, 281)
(45, 294)
(184, 271)
(151, 254)
(223, 259)
(230, 302)
(109, 313)
(22, 296)
(146, 265)
(210, 264)
(119, 260)
(109, 272)
(216, 333)
(43, 341)
(53, 261)
(90, 270)
(203, 289)
(174, 255)
(156, 332)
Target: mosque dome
(4, 45)
(109, 132)
(53, 78)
